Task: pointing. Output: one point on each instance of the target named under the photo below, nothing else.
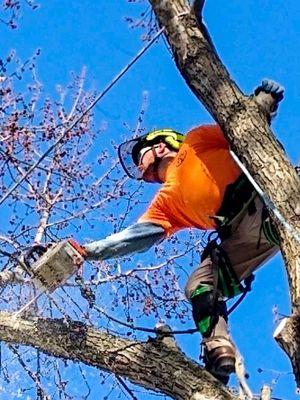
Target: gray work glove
(272, 88)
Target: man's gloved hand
(271, 87)
(269, 104)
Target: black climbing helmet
(129, 151)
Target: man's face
(153, 162)
(146, 163)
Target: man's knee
(203, 274)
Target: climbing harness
(238, 199)
(268, 202)
(208, 299)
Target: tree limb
(8, 277)
(287, 335)
(150, 364)
(244, 123)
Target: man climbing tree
(236, 114)
(203, 188)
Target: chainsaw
(51, 266)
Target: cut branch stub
(287, 335)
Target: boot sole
(225, 366)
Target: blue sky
(255, 39)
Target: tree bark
(287, 335)
(245, 125)
(154, 364)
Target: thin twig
(29, 372)
(142, 329)
(123, 384)
(85, 112)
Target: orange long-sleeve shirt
(195, 182)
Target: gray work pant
(247, 249)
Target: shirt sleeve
(157, 213)
(136, 238)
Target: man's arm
(136, 238)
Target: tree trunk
(245, 125)
(156, 365)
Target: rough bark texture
(244, 124)
(153, 364)
(287, 336)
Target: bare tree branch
(176, 376)
(151, 364)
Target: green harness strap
(269, 229)
(225, 279)
(238, 198)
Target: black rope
(248, 282)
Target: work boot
(219, 358)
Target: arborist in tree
(204, 188)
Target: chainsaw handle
(77, 247)
(33, 254)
